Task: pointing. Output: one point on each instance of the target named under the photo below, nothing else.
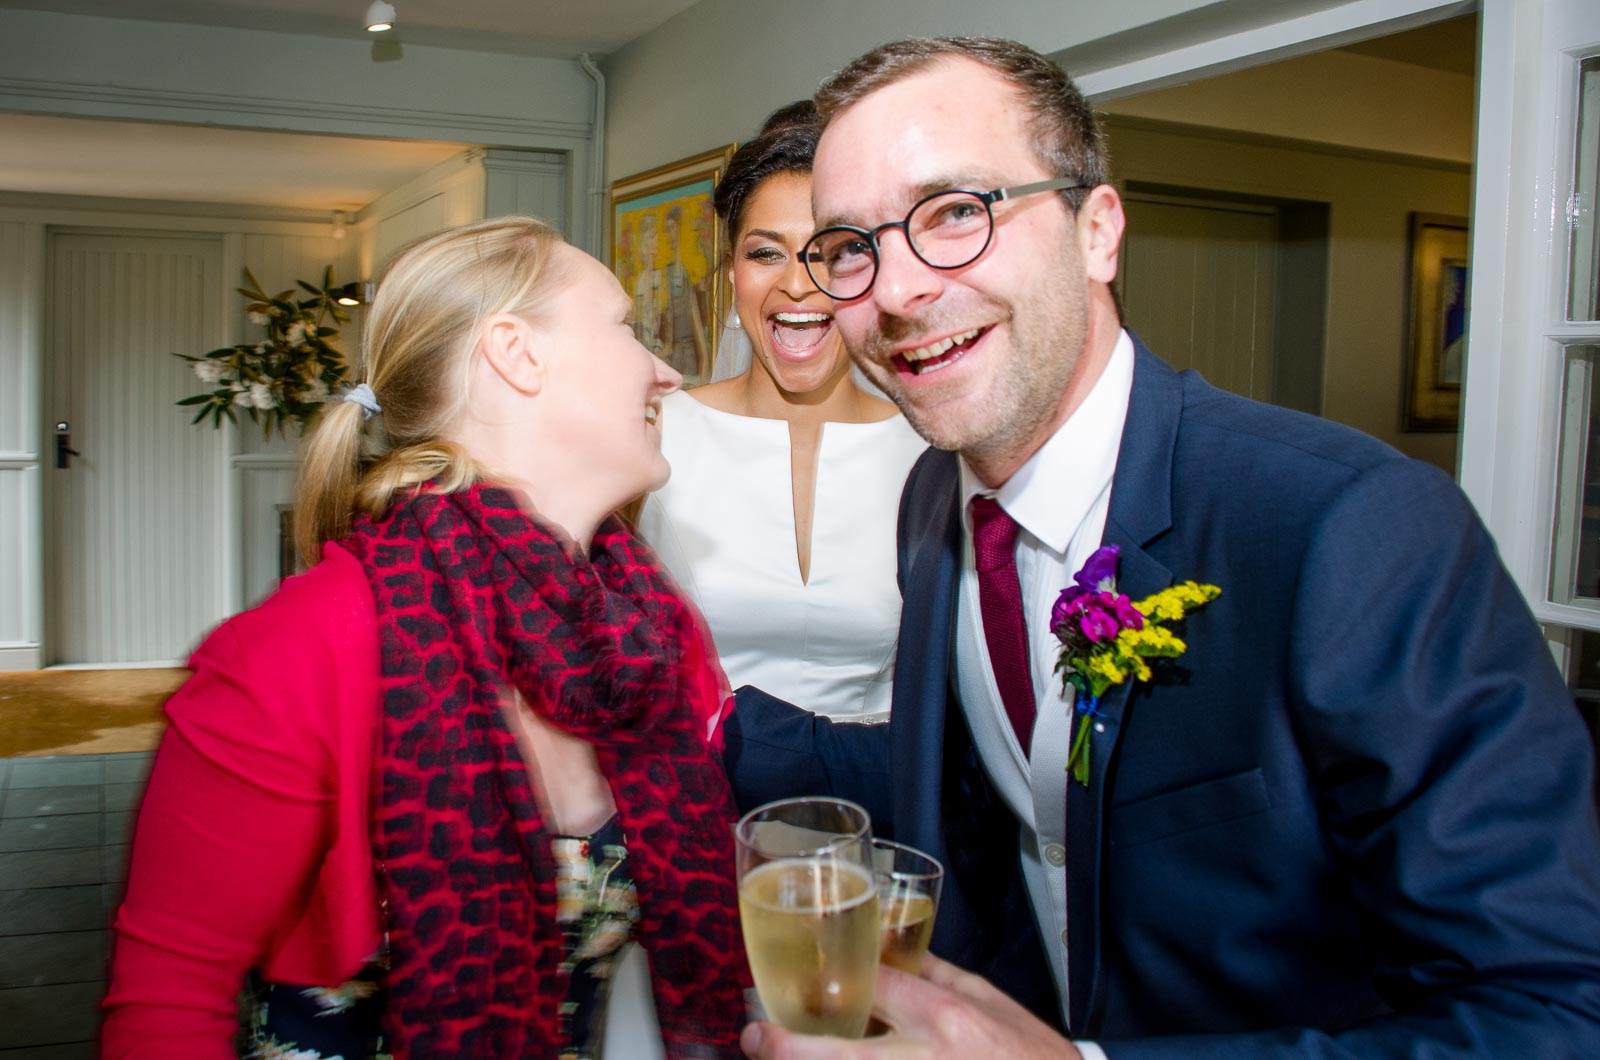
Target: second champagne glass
(808, 901)
(909, 882)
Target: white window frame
(1511, 412)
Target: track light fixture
(380, 16)
(356, 292)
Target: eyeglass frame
(809, 254)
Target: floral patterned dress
(597, 907)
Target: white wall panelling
(450, 193)
(21, 251)
(19, 574)
(530, 183)
(263, 483)
(21, 265)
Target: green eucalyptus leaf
(290, 370)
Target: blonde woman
(411, 791)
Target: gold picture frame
(667, 248)
(1436, 322)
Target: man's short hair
(1066, 134)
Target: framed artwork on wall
(666, 247)
(1436, 330)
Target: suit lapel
(1141, 510)
(930, 562)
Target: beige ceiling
(184, 163)
(1451, 46)
(530, 27)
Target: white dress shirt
(1059, 498)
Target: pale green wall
(709, 75)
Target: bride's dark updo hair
(787, 143)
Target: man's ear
(513, 351)
(1100, 224)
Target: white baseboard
(151, 664)
(19, 657)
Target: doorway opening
(1272, 213)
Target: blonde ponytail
(421, 334)
(329, 464)
(443, 463)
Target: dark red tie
(994, 541)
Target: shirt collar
(1052, 492)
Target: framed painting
(666, 245)
(1436, 329)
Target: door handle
(64, 450)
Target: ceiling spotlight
(380, 16)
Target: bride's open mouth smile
(798, 334)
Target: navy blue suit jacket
(1354, 820)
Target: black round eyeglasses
(945, 230)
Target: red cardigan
(253, 836)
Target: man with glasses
(1353, 819)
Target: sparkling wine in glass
(808, 901)
(908, 897)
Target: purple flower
(1100, 571)
(1128, 616)
(1098, 625)
(1067, 605)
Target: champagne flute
(909, 882)
(808, 902)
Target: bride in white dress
(779, 518)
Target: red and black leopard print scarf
(474, 596)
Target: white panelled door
(134, 520)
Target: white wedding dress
(724, 527)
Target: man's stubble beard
(1023, 393)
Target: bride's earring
(735, 323)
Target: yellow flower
(1170, 604)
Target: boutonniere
(1106, 638)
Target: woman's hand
(946, 1013)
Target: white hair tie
(362, 395)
